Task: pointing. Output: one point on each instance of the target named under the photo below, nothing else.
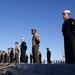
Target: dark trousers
(11, 59)
(26, 59)
(30, 59)
(69, 45)
(0, 59)
(40, 60)
(35, 49)
(48, 59)
(22, 58)
(5, 59)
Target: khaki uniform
(17, 54)
(35, 48)
(8, 56)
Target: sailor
(11, 55)
(23, 50)
(48, 56)
(68, 31)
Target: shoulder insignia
(73, 23)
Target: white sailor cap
(66, 11)
(22, 38)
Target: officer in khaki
(35, 46)
(8, 55)
(16, 52)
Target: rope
(6, 66)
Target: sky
(18, 17)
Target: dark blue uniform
(23, 52)
(68, 30)
(48, 56)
